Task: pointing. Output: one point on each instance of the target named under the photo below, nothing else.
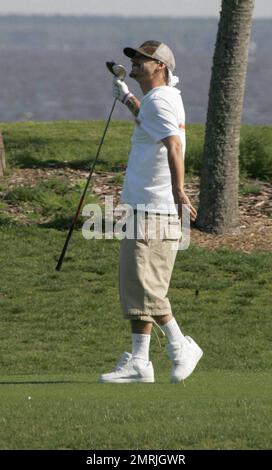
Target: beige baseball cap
(154, 50)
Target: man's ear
(160, 67)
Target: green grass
(68, 327)
(66, 144)
(51, 203)
(53, 322)
(60, 331)
(215, 410)
(250, 187)
(74, 144)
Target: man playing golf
(154, 179)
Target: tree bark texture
(218, 206)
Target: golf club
(120, 72)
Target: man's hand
(181, 198)
(121, 91)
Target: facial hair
(137, 71)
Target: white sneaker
(185, 358)
(128, 371)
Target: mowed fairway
(214, 410)
(59, 331)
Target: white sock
(140, 347)
(173, 332)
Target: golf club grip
(71, 229)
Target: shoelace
(157, 333)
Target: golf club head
(116, 69)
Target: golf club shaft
(74, 221)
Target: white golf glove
(121, 91)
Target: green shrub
(54, 198)
(194, 148)
(256, 152)
(24, 194)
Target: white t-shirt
(148, 178)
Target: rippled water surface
(54, 67)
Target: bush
(194, 148)
(256, 152)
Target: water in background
(53, 68)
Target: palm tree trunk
(218, 206)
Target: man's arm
(176, 165)
(133, 105)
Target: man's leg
(171, 329)
(141, 327)
(134, 367)
(141, 331)
(183, 351)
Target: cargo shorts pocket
(172, 230)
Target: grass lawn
(60, 331)
(66, 328)
(214, 410)
(74, 144)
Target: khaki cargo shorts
(146, 265)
